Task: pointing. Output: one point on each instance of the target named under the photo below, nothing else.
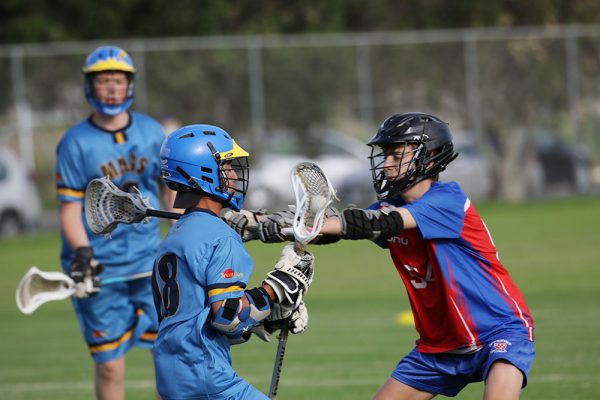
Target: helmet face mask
(108, 59)
(407, 149)
(205, 160)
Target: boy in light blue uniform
(125, 147)
(202, 270)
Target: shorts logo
(499, 346)
(99, 334)
(230, 273)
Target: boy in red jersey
(473, 322)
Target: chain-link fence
(508, 88)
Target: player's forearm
(332, 226)
(72, 225)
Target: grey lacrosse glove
(370, 224)
(270, 229)
(244, 222)
(291, 277)
(84, 272)
(297, 319)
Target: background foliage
(59, 20)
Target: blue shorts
(121, 316)
(448, 374)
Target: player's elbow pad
(232, 320)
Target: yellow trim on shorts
(112, 345)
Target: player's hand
(291, 277)
(270, 229)
(244, 222)
(297, 319)
(84, 272)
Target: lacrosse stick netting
(106, 206)
(38, 287)
(314, 193)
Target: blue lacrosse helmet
(106, 59)
(195, 161)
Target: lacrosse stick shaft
(150, 212)
(283, 337)
(118, 279)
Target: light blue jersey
(129, 157)
(200, 261)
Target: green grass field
(552, 250)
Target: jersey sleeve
(440, 213)
(70, 177)
(229, 270)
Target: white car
(20, 206)
(340, 157)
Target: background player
(472, 319)
(124, 146)
(202, 269)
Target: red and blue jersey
(459, 291)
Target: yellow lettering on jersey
(142, 165)
(132, 163)
(109, 170)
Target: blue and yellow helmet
(194, 161)
(105, 59)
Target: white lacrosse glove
(297, 321)
(270, 229)
(244, 222)
(84, 272)
(291, 277)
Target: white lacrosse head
(106, 206)
(314, 194)
(38, 287)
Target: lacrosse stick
(106, 206)
(38, 287)
(314, 194)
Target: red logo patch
(99, 334)
(230, 273)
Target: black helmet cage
(432, 151)
(242, 170)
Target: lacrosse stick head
(38, 287)
(314, 193)
(106, 206)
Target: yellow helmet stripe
(109, 65)
(235, 152)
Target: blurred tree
(54, 20)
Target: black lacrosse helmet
(432, 152)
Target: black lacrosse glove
(244, 222)
(270, 228)
(291, 277)
(84, 272)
